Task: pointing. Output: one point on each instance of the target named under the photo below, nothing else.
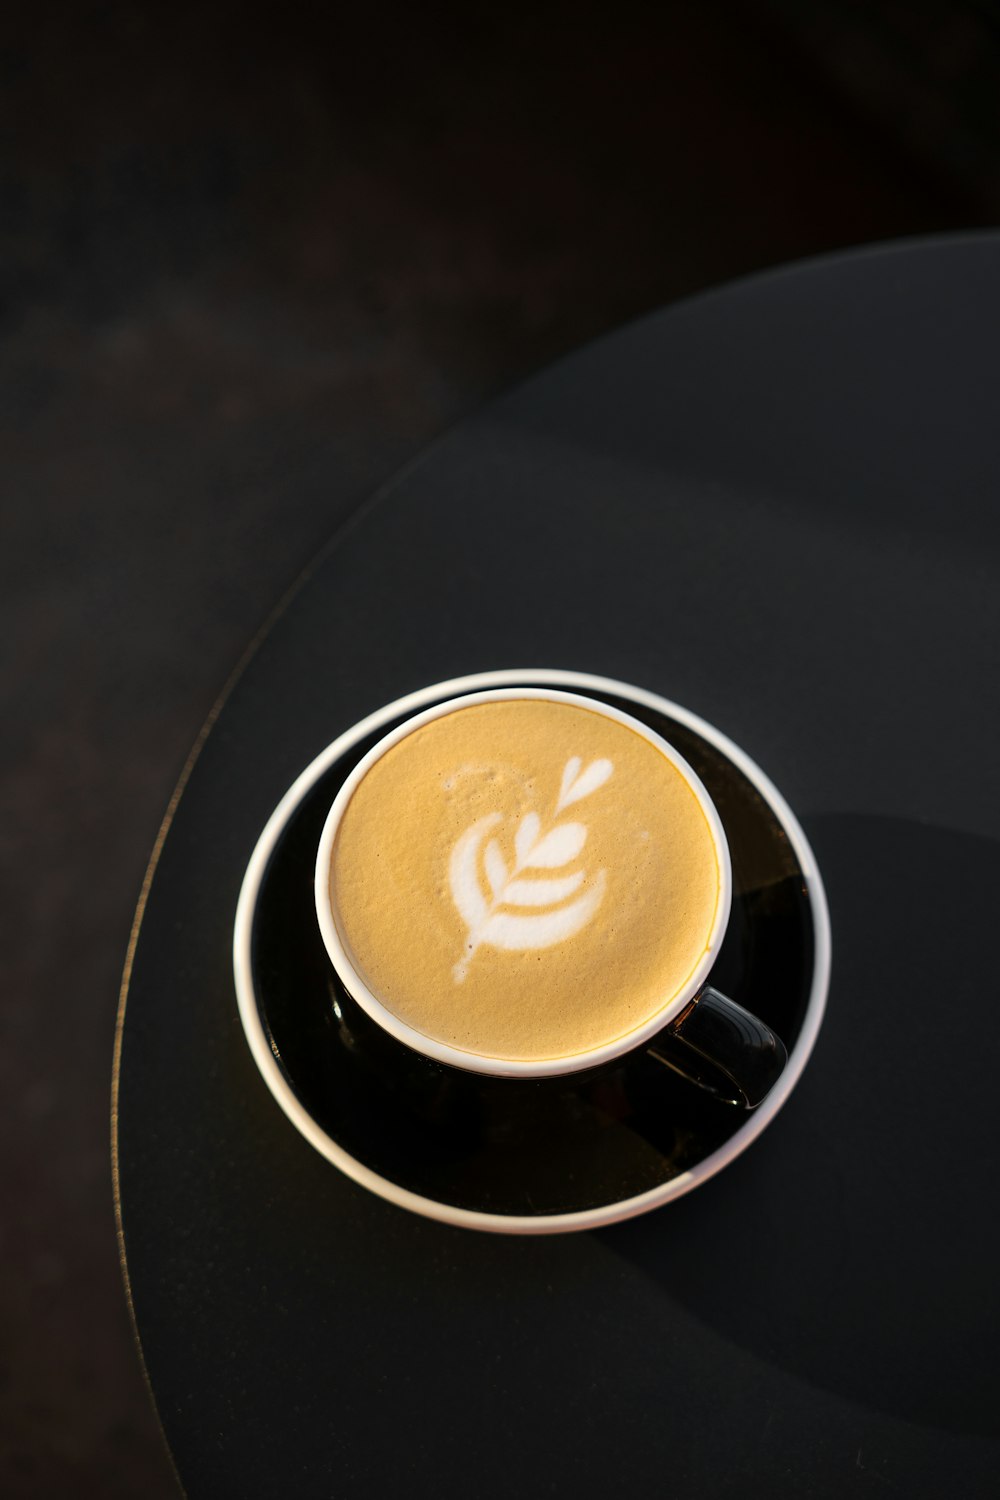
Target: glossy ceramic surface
(528, 1155)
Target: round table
(779, 505)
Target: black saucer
(512, 1155)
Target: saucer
(508, 1155)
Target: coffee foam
(524, 880)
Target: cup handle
(722, 1048)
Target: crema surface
(524, 880)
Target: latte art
(534, 849)
(524, 879)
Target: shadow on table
(856, 1246)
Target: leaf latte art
(488, 920)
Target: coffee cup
(527, 883)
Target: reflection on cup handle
(722, 1048)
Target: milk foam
(524, 879)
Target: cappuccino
(525, 880)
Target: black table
(778, 505)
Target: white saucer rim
(606, 1214)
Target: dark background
(252, 261)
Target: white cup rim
(477, 1062)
